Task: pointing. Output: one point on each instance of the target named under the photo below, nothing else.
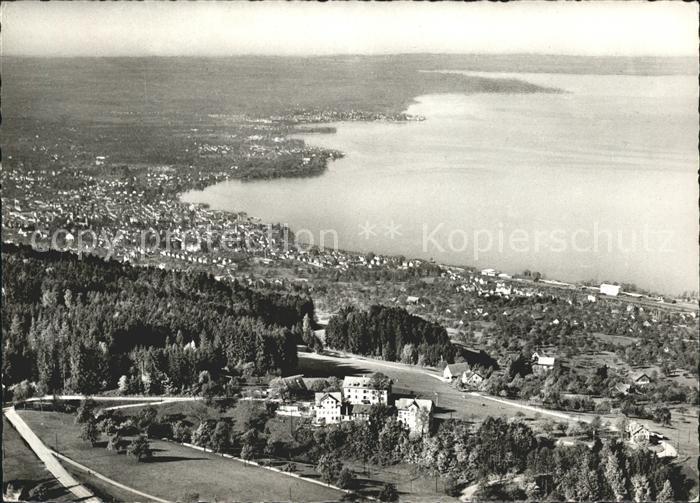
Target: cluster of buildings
(462, 373)
(472, 376)
(132, 216)
(314, 116)
(357, 397)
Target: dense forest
(390, 333)
(85, 325)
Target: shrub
(452, 487)
(39, 492)
(140, 448)
(388, 493)
(346, 478)
(182, 432)
(190, 497)
(329, 467)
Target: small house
(638, 433)
(472, 379)
(454, 371)
(542, 362)
(641, 379)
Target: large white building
(361, 390)
(611, 290)
(415, 413)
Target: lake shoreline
(292, 200)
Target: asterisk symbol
(367, 230)
(392, 230)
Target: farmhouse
(640, 379)
(454, 371)
(541, 362)
(638, 433)
(415, 413)
(472, 379)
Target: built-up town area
(244, 367)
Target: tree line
(84, 325)
(386, 332)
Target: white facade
(473, 379)
(328, 407)
(454, 370)
(542, 363)
(612, 290)
(358, 390)
(415, 414)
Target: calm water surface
(599, 182)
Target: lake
(598, 182)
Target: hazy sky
(208, 28)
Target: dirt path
(47, 457)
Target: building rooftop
(361, 382)
(457, 368)
(336, 395)
(405, 403)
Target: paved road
(46, 456)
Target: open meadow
(176, 471)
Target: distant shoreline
(515, 276)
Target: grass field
(412, 486)
(683, 434)
(176, 470)
(20, 464)
(106, 492)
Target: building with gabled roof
(472, 378)
(415, 413)
(641, 379)
(542, 362)
(454, 371)
(328, 407)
